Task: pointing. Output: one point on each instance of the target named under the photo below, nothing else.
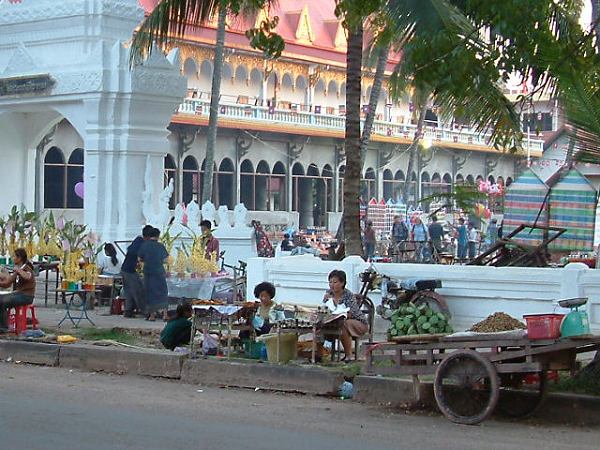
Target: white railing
(264, 114)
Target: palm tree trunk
(211, 137)
(382, 58)
(596, 22)
(352, 143)
(412, 152)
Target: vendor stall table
(217, 318)
(472, 373)
(49, 266)
(78, 300)
(298, 330)
(197, 288)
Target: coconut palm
(168, 22)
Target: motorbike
(394, 293)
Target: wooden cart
(474, 375)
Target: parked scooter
(395, 293)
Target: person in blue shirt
(133, 289)
(420, 236)
(463, 239)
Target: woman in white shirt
(109, 263)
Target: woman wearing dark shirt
(22, 281)
(153, 254)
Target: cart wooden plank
(418, 338)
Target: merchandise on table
(496, 322)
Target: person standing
(420, 236)
(399, 235)
(22, 280)
(154, 254)
(132, 283)
(473, 240)
(369, 240)
(492, 232)
(209, 243)
(436, 233)
(462, 238)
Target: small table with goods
(79, 300)
(214, 316)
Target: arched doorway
(277, 188)
(226, 183)
(247, 184)
(190, 180)
(260, 186)
(368, 185)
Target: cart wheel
(519, 399)
(432, 299)
(466, 387)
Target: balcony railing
(252, 113)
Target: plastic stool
(17, 319)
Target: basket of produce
(418, 322)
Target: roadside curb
(559, 408)
(307, 380)
(153, 363)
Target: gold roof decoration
(304, 31)
(337, 33)
(262, 16)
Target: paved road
(49, 408)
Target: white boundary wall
(472, 292)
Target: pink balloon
(79, 189)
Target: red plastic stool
(17, 319)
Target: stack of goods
(411, 320)
(376, 214)
(496, 323)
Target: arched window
(247, 184)
(74, 176)
(367, 188)
(388, 187)
(60, 179)
(341, 173)
(226, 184)
(261, 184)
(170, 174)
(327, 175)
(54, 179)
(277, 187)
(191, 179)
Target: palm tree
(215, 94)
(168, 22)
(352, 175)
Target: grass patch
(582, 384)
(113, 334)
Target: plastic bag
(209, 344)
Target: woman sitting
(268, 312)
(355, 324)
(22, 280)
(177, 331)
(109, 263)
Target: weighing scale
(576, 323)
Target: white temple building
(71, 110)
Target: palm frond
(169, 20)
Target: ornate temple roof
(309, 27)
